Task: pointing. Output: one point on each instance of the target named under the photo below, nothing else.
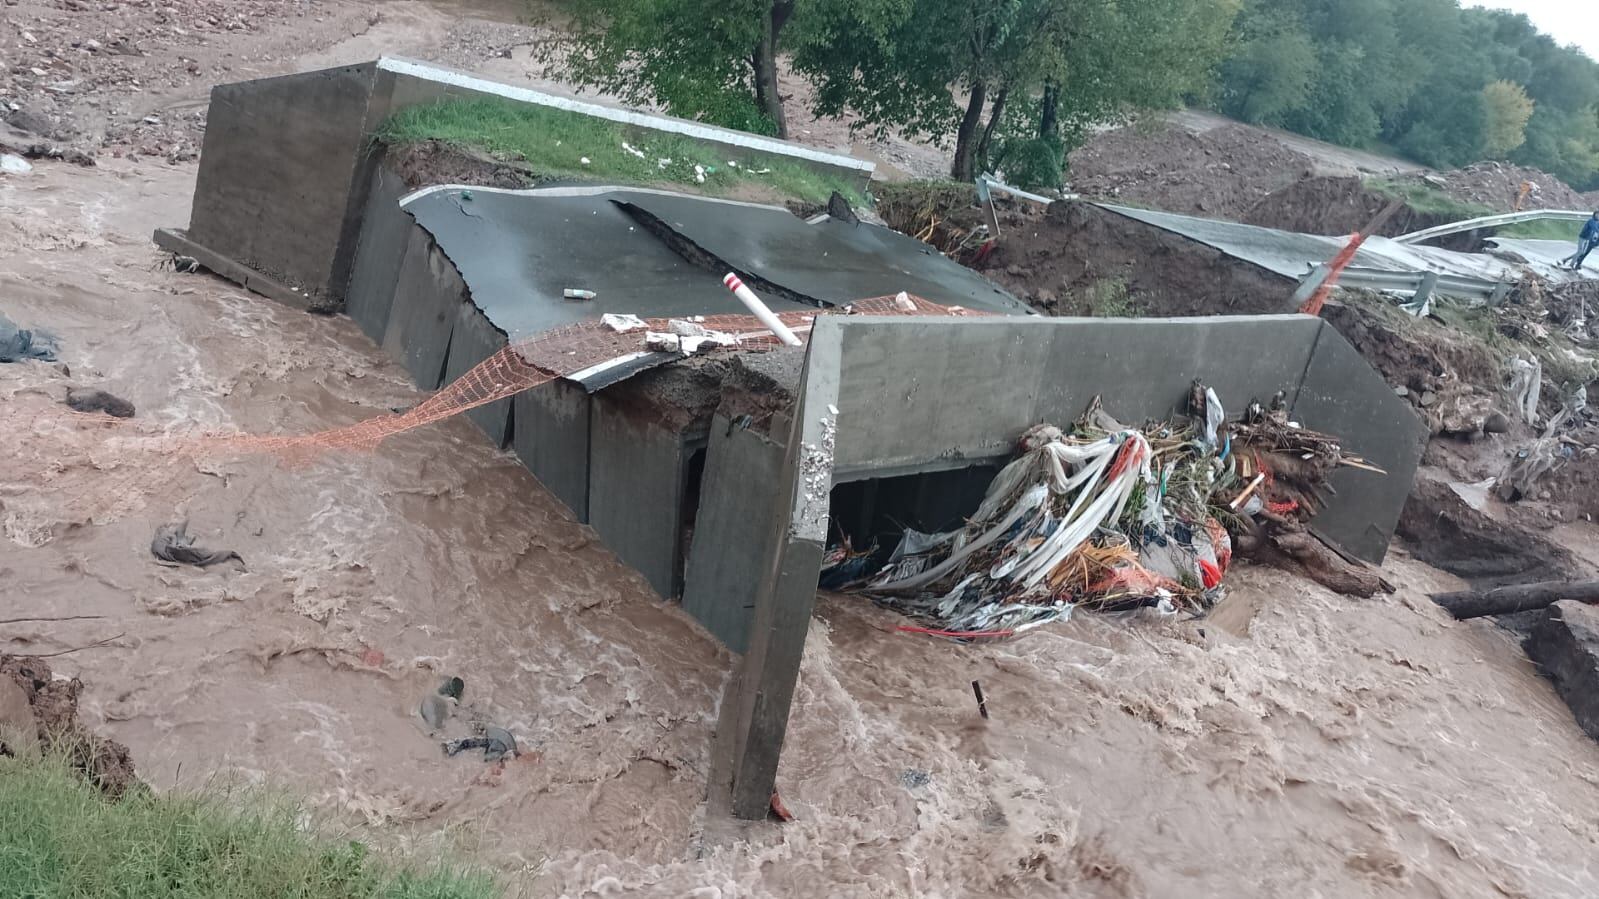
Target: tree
(1444, 84)
(1092, 59)
(713, 60)
(1270, 70)
(1507, 109)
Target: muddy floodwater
(1297, 744)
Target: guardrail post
(1308, 286)
(1425, 287)
(1500, 290)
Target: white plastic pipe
(753, 304)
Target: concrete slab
(427, 298)
(278, 173)
(518, 250)
(1565, 643)
(635, 490)
(968, 391)
(177, 241)
(385, 232)
(834, 262)
(743, 469)
(550, 425)
(1343, 395)
(472, 341)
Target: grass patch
(1108, 298)
(554, 143)
(1544, 229)
(60, 837)
(1426, 199)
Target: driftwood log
(1465, 604)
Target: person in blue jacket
(1586, 241)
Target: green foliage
(554, 142)
(1270, 70)
(60, 837)
(896, 70)
(1446, 85)
(1108, 298)
(1507, 107)
(691, 57)
(1031, 163)
(1425, 199)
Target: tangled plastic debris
(1106, 518)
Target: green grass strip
(60, 838)
(554, 142)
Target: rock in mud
(1566, 644)
(53, 704)
(83, 399)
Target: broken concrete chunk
(622, 323)
(1566, 645)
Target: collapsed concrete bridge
(717, 477)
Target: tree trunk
(987, 142)
(764, 61)
(1049, 117)
(967, 137)
(1506, 600)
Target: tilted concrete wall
(892, 396)
(380, 250)
(278, 171)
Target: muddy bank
(433, 162)
(1219, 173)
(1079, 259)
(39, 712)
(1343, 205)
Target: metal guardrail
(1420, 285)
(1493, 221)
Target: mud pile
(434, 162)
(1496, 185)
(39, 710)
(1219, 173)
(1079, 259)
(1343, 205)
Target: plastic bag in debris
(1188, 555)
(1526, 380)
(17, 344)
(173, 544)
(496, 743)
(1215, 416)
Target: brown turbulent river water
(1298, 744)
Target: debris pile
(1106, 518)
(1499, 185)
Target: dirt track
(1298, 743)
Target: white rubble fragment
(12, 164)
(583, 159)
(902, 302)
(699, 173)
(629, 148)
(662, 343)
(622, 323)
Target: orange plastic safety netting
(72, 466)
(551, 355)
